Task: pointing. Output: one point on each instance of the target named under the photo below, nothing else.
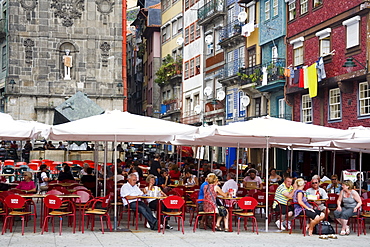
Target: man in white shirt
(230, 183)
(131, 192)
(320, 192)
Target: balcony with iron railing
(170, 106)
(275, 76)
(231, 34)
(209, 11)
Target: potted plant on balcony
(166, 71)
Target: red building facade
(335, 31)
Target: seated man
(283, 193)
(253, 178)
(131, 191)
(320, 192)
(335, 186)
(230, 183)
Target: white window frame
(335, 107)
(306, 109)
(251, 12)
(297, 50)
(179, 24)
(267, 10)
(324, 39)
(229, 106)
(304, 7)
(292, 11)
(352, 31)
(364, 99)
(281, 108)
(275, 7)
(274, 53)
(174, 28)
(242, 109)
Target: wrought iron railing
(232, 29)
(232, 68)
(210, 8)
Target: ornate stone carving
(28, 43)
(105, 47)
(28, 5)
(68, 10)
(105, 7)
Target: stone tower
(51, 49)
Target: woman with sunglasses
(27, 184)
(349, 202)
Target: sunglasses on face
(333, 179)
(314, 182)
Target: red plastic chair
(91, 211)
(241, 192)
(55, 204)
(33, 166)
(176, 204)
(365, 214)
(8, 162)
(261, 199)
(202, 213)
(248, 205)
(13, 202)
(81, 202)
(39, 162)
(19, 164)
(331, 204)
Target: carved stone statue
(67, 61)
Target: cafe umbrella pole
(115, 182)
(267, 187)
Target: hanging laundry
(286, 72)
(291, 72)
(296, 76)
(312, 80)
(320, 69)
(247, 29)
(301, 78)
(305, 76)
(264, 76)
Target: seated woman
(43, 178)
(300, 197)
(211, 190)
(174, 172)
(348, 202)
(190, 179)
(66, 174)
(154, 191)
(274, 177)
(27, 184)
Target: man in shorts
(282, 195)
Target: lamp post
(349, 64)
(12, 82)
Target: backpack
(323, 228)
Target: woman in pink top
(27, 184)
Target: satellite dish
(197, 109)
(220, 95)
(209, 39)
(242, 16)
(245, 100)
(180, 41)
(208, 91)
